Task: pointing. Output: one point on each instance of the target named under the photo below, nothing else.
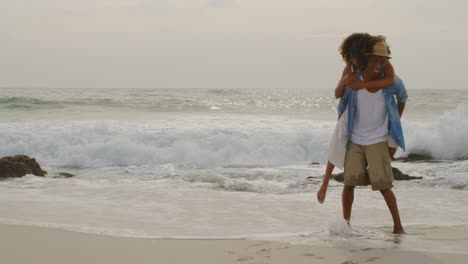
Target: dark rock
(397, 176)
(338, 177)
(415, 157)
(314, 163)
(458, 187)
(400, 176)
(18, 166)
(63, 175)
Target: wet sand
(24, 244)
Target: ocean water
(200, 163)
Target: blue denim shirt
(397, 90)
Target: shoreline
(26, 244)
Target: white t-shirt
(371, 123)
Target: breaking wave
(446, 138)
(90, 144)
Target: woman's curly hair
(357, 46)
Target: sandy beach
(23, 244)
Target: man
(373, 116)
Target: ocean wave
(209, 142)
(135, 104)
(25, 103)
(37, 102)
(446, 138)
(169, 100)
(283, 180)
(192, 142)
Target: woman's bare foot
(322, 193)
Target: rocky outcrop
(415, 158)
(18, 166)
(400, 176)
(63, 175)
(397, 175)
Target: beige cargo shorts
(368, 164)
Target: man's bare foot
(399, 231)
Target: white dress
(338, 141)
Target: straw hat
(380, 49)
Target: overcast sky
(223, 43)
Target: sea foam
(446, 138)
(196, 142)
(209, 142)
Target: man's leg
(355, 175)
(391, 201)
(381, 177)
(347, 199)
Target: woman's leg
(330, 168)
(322, 192)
